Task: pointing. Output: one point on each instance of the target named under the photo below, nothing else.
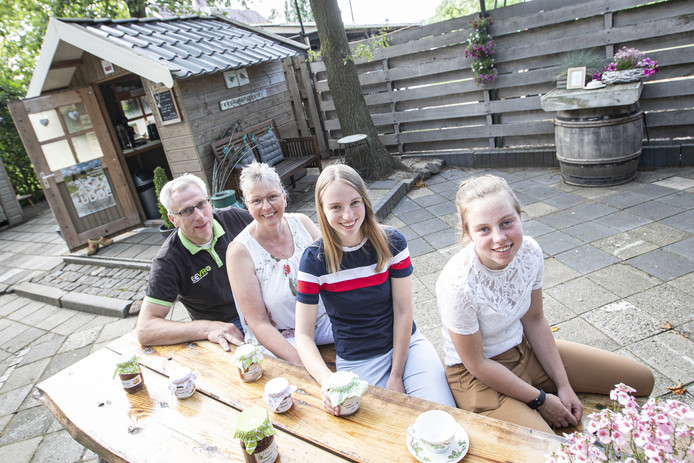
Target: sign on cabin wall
(166, 105)
(236, 78)
(88, 187)
(242, 100)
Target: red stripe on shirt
(402, 264)
(356, 283)
(307, 287)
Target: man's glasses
(188, 211)
(274, 199)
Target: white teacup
(435, 429)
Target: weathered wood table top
(152, 425)
(560, 99)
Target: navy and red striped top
(358, 300)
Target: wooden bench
(299, 152)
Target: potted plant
(480, 48)
(237, 153)
(578, 59)
(128, 369)
(628, 65)
(160, 180)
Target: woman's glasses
(188, 211)
(274, 199)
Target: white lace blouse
(471, 297)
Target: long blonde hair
(477, 188)
(332, 248)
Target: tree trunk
(136, 8)
(343, 81)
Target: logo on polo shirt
(202, 273)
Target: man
(190, 266)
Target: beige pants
(589, 370)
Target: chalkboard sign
(166, 105)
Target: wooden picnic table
(152, 425)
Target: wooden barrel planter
(599, 146)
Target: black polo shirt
(197, 276)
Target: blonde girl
(363, 274)
(501, 358)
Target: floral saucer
(456, 452)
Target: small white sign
(242, 100)
(108, 66)
(236, 77)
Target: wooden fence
(423, 100)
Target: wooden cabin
(111, 100)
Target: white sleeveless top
(472, 297)
(277, 278)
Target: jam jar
(344, 390)
(128, 369)
(257, 436)
(248, 359)
(278, 395)
(182, 382)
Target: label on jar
(185, 390)
(132, 382)
(349, 406)
(285, 405)
(255, 370)
(268, 455)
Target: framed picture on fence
(576, 77)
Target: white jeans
(424, 375)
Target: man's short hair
(180, 183)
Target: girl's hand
(572, 403)
(395, 384)
(327, 403)
(555, 413)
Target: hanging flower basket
(623, 77)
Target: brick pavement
(619, 265)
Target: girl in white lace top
(501, 355)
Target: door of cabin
(68, 143)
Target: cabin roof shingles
(193, 45)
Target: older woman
(262, 264)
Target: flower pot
(165, 232)
(622, 77)
(225, 198)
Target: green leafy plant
(578, 59)
(129, 367)
(160, 180)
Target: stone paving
(619, 274)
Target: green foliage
(450, 9)
(304, 7)
(366, 51)
(160, 180)
(17, 164)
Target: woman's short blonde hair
(258, 174)
(332, 247)
(477, 188)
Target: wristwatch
(537, 403)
